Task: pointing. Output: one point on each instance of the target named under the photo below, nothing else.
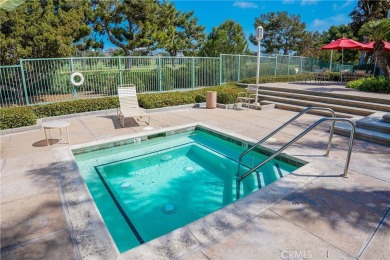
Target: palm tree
(379, 31)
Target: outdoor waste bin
(211, 99)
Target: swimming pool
(148, 186)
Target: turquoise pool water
(147, 189)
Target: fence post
(159, 73)
(120, 70)
(301, 65)
(288, 65)
(24, 81)
(71, 65)
(220, 69)
(193, 72)
(72, 70)
(276, 64)
(239, 67)
(311, 64)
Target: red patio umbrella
(370, 46)
(343, 43)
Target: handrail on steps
(333, 119)
(284, 125)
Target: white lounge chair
(128, 103)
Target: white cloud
(337, 7)
(244, 5)
(324, 24)
(288, 1)
(309, 2)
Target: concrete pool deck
(317, 215)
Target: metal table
(56, 125)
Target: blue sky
(318, 15)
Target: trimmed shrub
(225, 94)
(74, 106)
(14, 117)
(378, 84)
(24, 116)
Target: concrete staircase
(344, 105)
(372, 115)
(374, 128)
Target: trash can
(211, 99)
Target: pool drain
(125, 185)
(168, 208)
(188, 169)
(166, 157)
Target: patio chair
(246, 97)
(128, 103)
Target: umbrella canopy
(370, 46)
(343, 43)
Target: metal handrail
(283, 126)
(333, 119)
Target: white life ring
(73, 76)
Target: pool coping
(92, 238)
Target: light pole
(259, 36)
(331, 57)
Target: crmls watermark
(296, 254)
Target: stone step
(363, 134)
(298, 108)
(328, 100)
(325, 94)
(303, 103)
(374, 122)
(386, 117)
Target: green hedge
(13, 117)
(24, 116)
(226, 94)
(377, 84)
(74, 106)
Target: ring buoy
(73, 76)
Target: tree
(178, 32)
(311, 45)
(42, 29)
(228, 38)
(379, 31)
(129, 24)
(282, 32)
(365, 11)
(146, 25)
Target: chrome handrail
(333, 119)
(283, 126)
